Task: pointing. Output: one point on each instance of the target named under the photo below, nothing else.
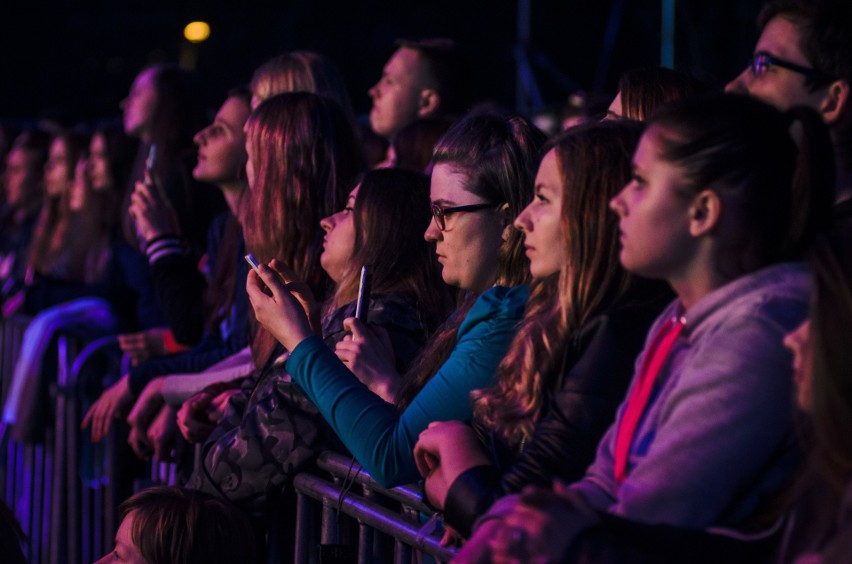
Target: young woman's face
(799, 343)
(125, 550)
(541, 221)
(140, 105)
(57, 170)
(654, 212)
(469, 247)
(99, 175)
(339, 242)
(221, 145)
(21, 177)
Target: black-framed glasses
(762, 61)
(440, 213)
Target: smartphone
(362, 306)
(253, 263)
(150, 162)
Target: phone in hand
(253, 263)
(362, 305)
(150, 163)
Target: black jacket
(597, 370)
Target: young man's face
(778, 86)
(397, 94)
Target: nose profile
(522, 222)
(617, 205)
(432, 233)
(739, 84)
(327, 223)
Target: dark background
(74, 60)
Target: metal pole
(667, 30)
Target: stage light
(196, 32)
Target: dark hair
(831, 385)
(181, 526)
(179, 114)
(643, 90)
(242, 92)
(180, 111)
(825, 33)
(744, 148)
(51, 251)
(120, 150)
(35, 143)
(449, 68)
(390, 215)
(222, 290)
(498, 157)
(594, 164)
(414, 144)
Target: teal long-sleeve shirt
(383, 440)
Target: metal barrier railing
(65, 491)
(67, 514)
(397, 515)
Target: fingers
(284, 270)
(358, 329)
(272, 281)
(145, 408)
(99, 418)
(138, 441)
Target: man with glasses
(804, 57)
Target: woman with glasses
(568, 367)
(484, 164)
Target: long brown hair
(391, 213)
(498, 157)
(305, 159)
(50, 252)
(594, 164)
(831, 385)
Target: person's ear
(429, 102)
(836, 102)
(508, 221)
(704, 213)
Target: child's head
(164, 525)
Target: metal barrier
(62, 493)
(393, 524)
(66, 490)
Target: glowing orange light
(196, 32)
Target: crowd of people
(625, 341)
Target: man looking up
(804, 57)
(421, 79)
